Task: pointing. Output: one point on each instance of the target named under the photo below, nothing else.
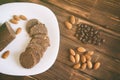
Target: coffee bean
(88, 34)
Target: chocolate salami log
(7, 34)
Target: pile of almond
(81, 58)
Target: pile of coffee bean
(88, 34)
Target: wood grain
(103, 15)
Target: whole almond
(77, 66)
(96, 65)
(68, 25)
(88, 57)
(18, 30)
(72, 58)
(81, 49)
(90, 53)
(83, 66)
(5, 54)
(13, 21)
(89, 63)
(72, 19)
(16, 17)
(23, 17)
(72, 52)
(83, 59)
(77, 58)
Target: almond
(5, 54)
(18, 30)
(68, 25)
(77, 66)
(72, 58)
(72, 19)
(96, 65)
(81, 49)
(90, 53)
(23, 17)
(72, 52)
(83, 59)
(16, 17)
(83, 67)
(89, 63)
(88, 57)
(13, 21)
(77, 58)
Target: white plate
(11, 65)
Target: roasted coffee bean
(87, 34)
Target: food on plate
(5, 54)
(18, 30)
(31, 23)
(23, 17)
(7, 35)
(37, 45)
(16, 18)
(13, 21)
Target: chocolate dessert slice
(38, 29)
(7, 34)
(31, 23)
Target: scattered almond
(18, 30)
(89, 63)
(13, 21)
(83, 67)
(81, 49)
(5, 54)
(72, 19)
(77, 66)
(16, 17)
(72, 58)
(72, 52)
(68, 25)
(23, 17)
(83, 59)
(77, 58)
(96, 65)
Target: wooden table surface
(104, 15)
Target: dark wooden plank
(8, 77)
(60, 71)
(104, 13)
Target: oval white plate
(11, 65)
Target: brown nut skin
(72, 52)
(97, 65)
(77, 66)
(5, 54)
(18, 30)
(72, 58)
(68, 25)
